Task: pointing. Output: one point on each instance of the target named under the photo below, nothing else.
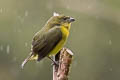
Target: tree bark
(64, 59)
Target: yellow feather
(65, 32)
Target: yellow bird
(51, 38)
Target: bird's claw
(56, 63)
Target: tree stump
(64, 58)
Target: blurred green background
(94, 38)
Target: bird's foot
(56, 63)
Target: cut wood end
(70, 52)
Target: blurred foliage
(94, 38)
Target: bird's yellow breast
(59, 46)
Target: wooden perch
(64, 58)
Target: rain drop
(89, 7)
(110, 42)
(19, 31)
(1, 48)
(34, 26)
(1, 10)
(68, 7)
(110, 69)
(26, 13)
(26, 44)
(8, 49)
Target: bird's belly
(60, 45)
(57, 48)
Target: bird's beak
(71, 19)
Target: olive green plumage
(46, 42)
(51, 38)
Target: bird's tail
(26, 60)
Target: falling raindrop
(19, 31)
(26, 44)
(1, 10)
(1, 48)
(110, 69)
(26, 13)
(8, 49)
(68, 7)
(110, 42)
(89, 7)
(34, 26)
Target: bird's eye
(65, 18)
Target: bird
(50, 39)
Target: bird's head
(60, 20)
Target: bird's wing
(46, 42)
